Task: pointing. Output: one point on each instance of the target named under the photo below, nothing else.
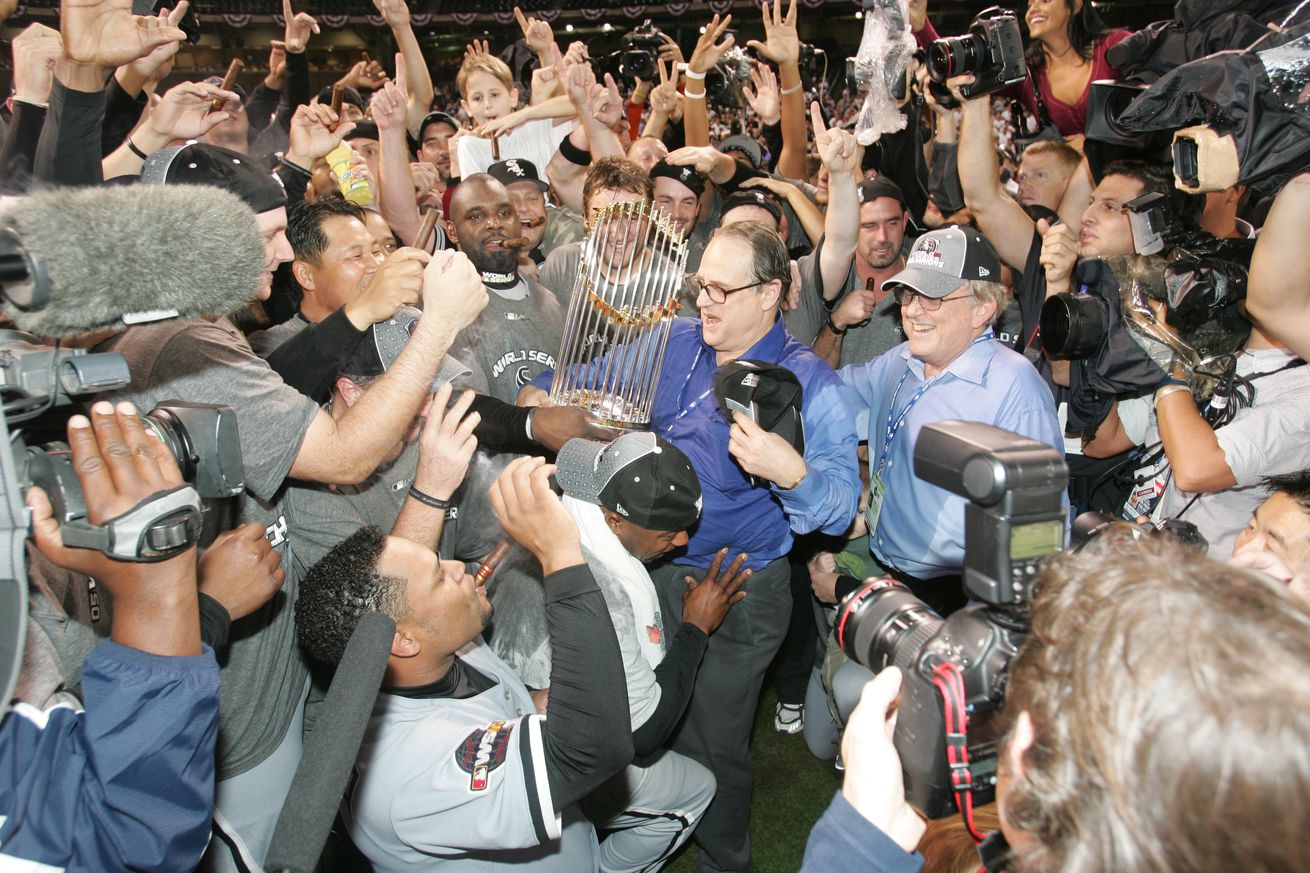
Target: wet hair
(305, 224)
(1294, 485)
(341, 589)
(617, 174)
(1167, 694)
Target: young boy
(487, 92)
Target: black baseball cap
(768, 394)
(199, 163)
(437, 118)
(516, 170)
(880, 186)
(752, 197)
(363, 130)
(686, 175)
(944, 259)
(641, 476)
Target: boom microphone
(79, 260)
(331, 748)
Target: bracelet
(832, 327)
(691, 96)
(527, 425)
(1166, 390)
(798, 482)
(1171, 381)
(428, 499)
(136, 151)
(792, 90)
(573, 154)
(693, 75)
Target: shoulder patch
(482, 752)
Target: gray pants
(648, 810)
(717, 728)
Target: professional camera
(992, 51)
(1014, 519)
(639, 53)
(35, 378)
(1092, 525)
(723, 83)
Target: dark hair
(1159, 179)
(305, 224)
(769, 254)
(1144, 660)
(1294, 485)
(617, 174)
(341, 589)
(349, 94)
(1085, 25)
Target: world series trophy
(625, 296)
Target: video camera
(992, 51)
(1014, 520)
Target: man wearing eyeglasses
(951, 367)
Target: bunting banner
(336, 22)
(677, 10)
(421, 19)
(236, 20)
(547, 15)
(464, 19)
(503, 17)
(636, 11)
(592, 14)
(376, 20)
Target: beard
(493, 260)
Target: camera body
(723, 83)
(1015, 519)
(992, 51)
(639, 52)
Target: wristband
(1170, 381)
(691, 96)
(428, 499)
(136, 151)
(832, 327)
(573, 154)
(1166, 390)
(693, 75)
(527, 425)
(792, 90)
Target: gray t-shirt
(263, 672)
(513, 340)
(265, 342)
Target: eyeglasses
(716, 293)
(904, 296)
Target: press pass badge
(877, 491)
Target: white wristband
(691, 96)
(693, 75)
(792, 90)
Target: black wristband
(573, 154)
(832, 327)
(215, 622)
(428, 499)
(136, 151)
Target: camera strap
(159, 527)
(949, 681)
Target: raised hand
(763, 97)
(452, 290)
(394, 12)
(397, 282)
(782, 42)
(536, 33)
(447, 444)
(105, 33)
(241, 570)
(705, 603)
(368, 75)
(159, 62)
(183, 113)
(315, 131)
(708, 48)
(605, 102)
(299, 27)
(35, 51)
(838, 149)
(670, 51)
(476, 47)
(390, 102)
(277, 64)
(533, 515)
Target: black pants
(717, 727)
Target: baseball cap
(944, 259)
(516, 170)
(767, 393)
(237, 89)
(349, 94)
(363, 130)
(752, 197)
(434, 118)
(382, 344)
(641, 476)
(747, 145)
(199, 163)
(880, 186)
(686, 175)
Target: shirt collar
(970, 365)
(766, 348)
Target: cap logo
(513, 166)
(618, 507)
(751, 380)
(926, 253)
(983, 272)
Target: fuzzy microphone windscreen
(110, 257)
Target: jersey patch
(483, 751)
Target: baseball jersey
(460, 784)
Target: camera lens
(174, 435)
(885, 625)
(953, 56)
(1073, 325)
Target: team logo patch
(483, 751)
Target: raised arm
(418, 79)
(1278, 285)
(695, 117)
(841, 154)
(999, 217)
(396, 196)
(782, 45)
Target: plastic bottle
(354, 185)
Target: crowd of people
(581, 617)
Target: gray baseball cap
(383, 343)
(944, 259)
(747, 145)
(641, 476)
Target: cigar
(514, 242)
(338, 91)
(430, 219)
(495, 148)
(233, 70)
(493, 558)
(366, 57)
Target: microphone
(74, 260)
(330, 751)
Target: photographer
(1112, 707)
(129, 783)
(1278, 284)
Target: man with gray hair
(950, 367)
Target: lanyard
(893, 426)
(684, 411)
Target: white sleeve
(1268, 440)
